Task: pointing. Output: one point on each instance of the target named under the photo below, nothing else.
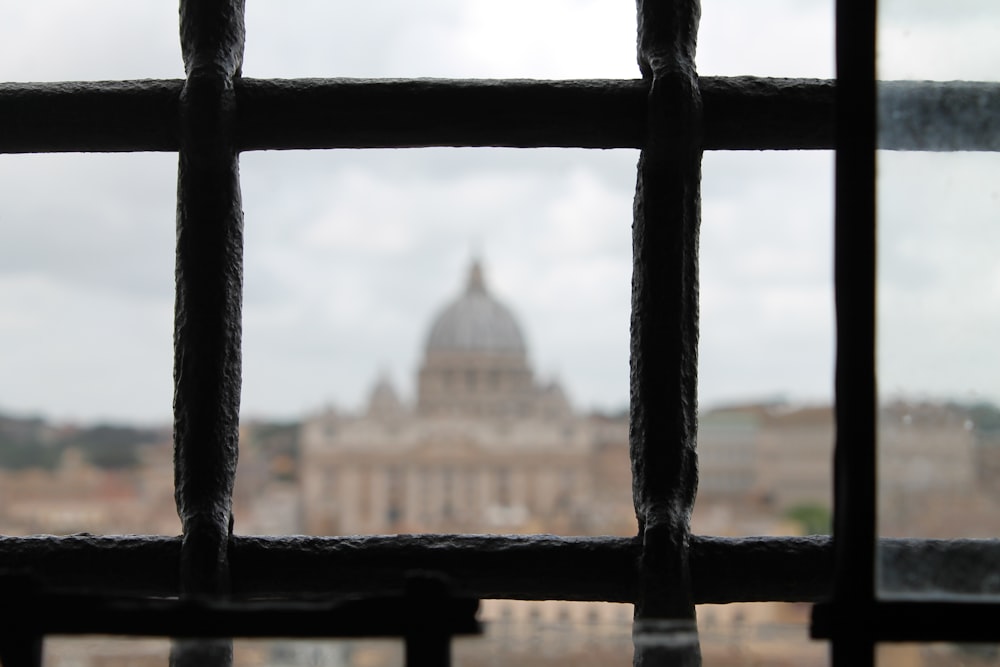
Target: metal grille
(671, 114)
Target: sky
(350, 254)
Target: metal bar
(741, 113)
(505, 567)
(666, 643)
(480, 566)
(377, 114)
(208, 307)
(543, 567)
(89, 116)
(664, 347)
(209, 292)
(854, 537)
(23, 651)
(395, 616)
(755, 113)
(912, 621)
(854, 269)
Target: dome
(476, 322)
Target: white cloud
(64, 40)
(782, 38)
(938, 234)
(387, 246)
(350, 253)
(553, 39)
(942, 52)
(81, 354)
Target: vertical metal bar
(207, 318)
(854, 267)
(431, 649)
(664, 348)
(22, 651)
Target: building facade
(485, 446)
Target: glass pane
(938, 285)
(758, 633)
(937, 654)
(765, 435)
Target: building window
(448, 492)
(504, 497)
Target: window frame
(856, 618)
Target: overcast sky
(350, 254)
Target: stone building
(486, 446)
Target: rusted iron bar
(425, 615)
(506, 567)
(664, 347)
(723, 569)
(741, 113)
(209, 280)
(208, 308)
(84, 116)
(375, 114)
(536, 567)
(754, 113)
(47, 613)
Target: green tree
(814, 518)
(23, 454)
(112, 447)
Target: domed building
(476, 362)
(485, 447)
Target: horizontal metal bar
(754, 113)
(910, 621)
(741, 113)
(305, 113)
(422, 609)
(507, 567)
(528, 567)
(90, 116)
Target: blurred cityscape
(486, 447)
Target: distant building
(485, 448)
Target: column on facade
(411, 511)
